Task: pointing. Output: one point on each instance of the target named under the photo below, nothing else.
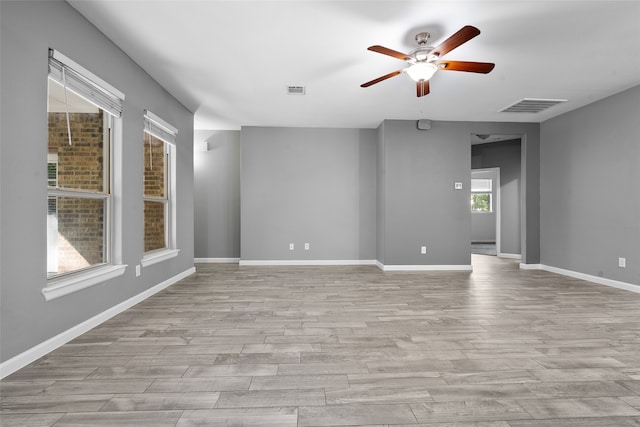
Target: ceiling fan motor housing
(422, 38)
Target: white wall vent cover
(295, 90)
(531, 105)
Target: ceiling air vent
(531, 105)
(295, 90)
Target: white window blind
(158, 128)
(84, 83)
(481, 185)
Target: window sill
(59, 287)
(159, 256)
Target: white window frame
(162, 130)
(82, 82)
(489, 191)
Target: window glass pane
(154, 167)
(76, 226)
(52, 170)
(52, 181)
(154, 226)
(75, 233)
(158, 153)
(80, 165)
(481, 202)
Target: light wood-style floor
(348, 346)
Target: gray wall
(371, 194)
(483, 224)
(507, 156)
(217, 194)
(422, 209)
(590, 201)
(308, 185)
(421, 206)
(27, 30)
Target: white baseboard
(595, 279)
(424, 267)
(23, 359)
(217, 260)
(510, 256)
(530, 266)
(301, 262)
(357, 262)
(582, 276)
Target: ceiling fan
(425, 60)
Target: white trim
(530, 266)
(511, 256)
(116, 174)
(307, 262)
(159, 128)
(589, 278)
(426, 267)
(159, 256)
(34, 353)
(217, 260)
(85, 84)
(160, 122)
(86, 73)
(65, 285)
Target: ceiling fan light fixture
(425, 60)
(422, 71)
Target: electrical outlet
(622, 262)
(291, 246)
(423, 250)
(138, 272)
(457, 186)
(306, 246)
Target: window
(52, 180)
(81, 110)
(481, 195)
(159, 187)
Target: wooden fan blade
(379, 79)
(422, 88)
(386, 51)
(471, 67)
(463, 35)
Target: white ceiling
(230, 62)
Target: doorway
(485, 211)
(499, 158)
